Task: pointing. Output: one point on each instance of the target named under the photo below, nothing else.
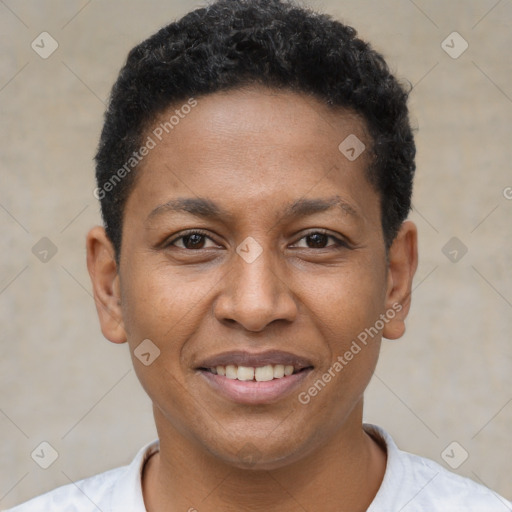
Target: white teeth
(231, 372)
(260, 373)
(279, 371)
(245, 373)
(264, 373)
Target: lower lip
(253, 392)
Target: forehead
(244, 146)
(265, 117)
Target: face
(253, 246)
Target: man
(255, 174)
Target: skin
(253, 152)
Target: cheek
(357, 304)
(350, 302)
(167, 309)
(346, 310)
(158, 302)
(141, 304)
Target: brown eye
(317, 240)
(320, 240)
(191, 240)
(194, 241)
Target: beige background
(449, 379)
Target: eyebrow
(206, 208)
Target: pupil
(196, 240)
(319, 239)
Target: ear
(103, 271)
(402, 264)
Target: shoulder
(117, 490)
(416, 484)
(437, 487)
(88, 494)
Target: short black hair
(230, 44)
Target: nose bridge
(254, 294)
(255, 273)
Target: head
(255, 171)
(232, 44)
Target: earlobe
(103, 271)
(403, 261)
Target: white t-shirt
(411, 484)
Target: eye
(191, 240)
(196, 240)
(319, 240)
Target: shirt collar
(127, 492)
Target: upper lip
(241, 358)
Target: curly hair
(234, 43)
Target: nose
(255, 294)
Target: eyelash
(338, 243)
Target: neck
(343, 474)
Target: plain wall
(448, 379)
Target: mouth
(254, 378)
(257, 374)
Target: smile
(258, 374)
(254, 378)
(254, 385)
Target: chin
(263, 454)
